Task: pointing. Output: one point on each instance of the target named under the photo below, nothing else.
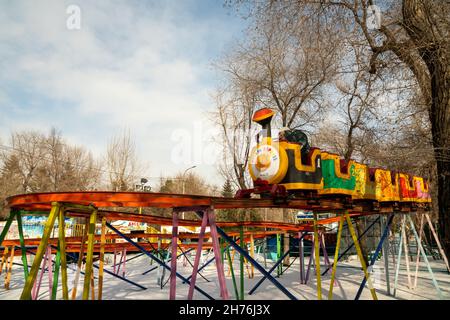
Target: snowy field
(349, 276)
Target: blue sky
(142, 65)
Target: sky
(93, 69)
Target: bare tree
(234, 118)
(122, 162)
(413, 32)
(27, 155)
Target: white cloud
(139, 65)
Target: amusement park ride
(286, 172)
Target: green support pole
(222, 251)
(7, 225)
(22, 244)
(241, 261)
(236, 292)
(56, 272)
(279, 268)
(26, 293)
(62, 254)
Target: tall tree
(415, 33)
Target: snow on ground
(349, 275)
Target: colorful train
(298, 168)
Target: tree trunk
(421, 24)
(438, 64)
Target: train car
(342, 178)
(408, 191)
(285, 163)
(422, 190)
(291, 163)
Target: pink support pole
(327, 261)
(50, 272)
(115, 260)
(37, 284)
(218, 258)
(311, 260)
(301, 256)
(198, 255)
(325, 254)
(173, 261)
(121, 261)
(124, 261)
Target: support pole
(425, 258)
(62, 250)
(198, 255)
(317, 256)
(219, 265)
(405, 245)
(9, 268)
(375, 255)
(22, 244)
(156, 259)
(89, 254)
(270, 271)
(56, 272)
(50, 271)
(352, 245)
(5, 230)
(256, 264)
(26, 293)
(336, 255)
(386, 258)
(80, 260)
(417, 250)
(399, 257)
(436, 238)
(102, 258)
(360, 255)
(252, 254)
(302, 257)
(236, 291)
(241, 263)
(173, 262)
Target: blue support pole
(273, 268)
(118, 264)
(375, 255)
(156, 267)
(111, 273)
(270, 271)
(352, 245)
(256, 264)
(156, 259)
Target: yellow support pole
(80, 261)
(89, 254)
(62, 249)
(26, 293)
(336, 256)
(360, 255)
(4, 258)
(9, 269)
(317, 258)
(252, 254)
(102, 257)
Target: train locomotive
(289, 167)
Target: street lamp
(184, 183)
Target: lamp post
(184, 183)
